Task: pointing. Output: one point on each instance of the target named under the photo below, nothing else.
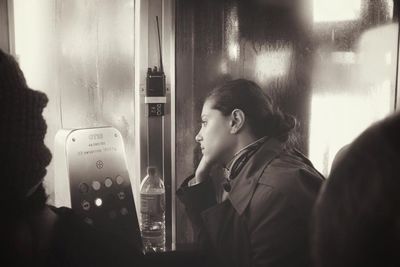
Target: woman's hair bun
(281, 125)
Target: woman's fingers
(203, 170)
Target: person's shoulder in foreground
(357, 213)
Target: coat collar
(240, 158)
(243, 187)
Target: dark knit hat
(23, 128)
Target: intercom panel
(91, 177)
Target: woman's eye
(203, 123)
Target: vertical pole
(396, 19)
(4, 26)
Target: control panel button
(96, 185)
(121, 195)
(85, 205)
(88, 221)
(84, 188)
(119, 179)
(98, 202)
(124, 211)
(108, 182)
(99, 164)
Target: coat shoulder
(292, 175)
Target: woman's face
(214, 137)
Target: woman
(263, 218)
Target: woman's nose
(198, 137)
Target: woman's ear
(237, 120)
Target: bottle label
(152, 204)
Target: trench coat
(266, 218)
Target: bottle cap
(151, 170)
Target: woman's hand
(203, 170)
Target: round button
(124, 211)
(84, 188)
(108, 182)
(96, 185)
(119, 179)
(98, 202)
(88, 221)
(121, 195)
(85, 205)
(99, 164)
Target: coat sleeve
(196, 199)
(278, 235)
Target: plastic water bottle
(152, 209)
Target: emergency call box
(92, 178)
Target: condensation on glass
(354, 73)
(342, 64)
(331, 64)
(81, 54)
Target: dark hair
(263, 116)
(24, 167)
(22, 208)
(357, 216)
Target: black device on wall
(155, 86)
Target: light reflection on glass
(377, 48)
(272, 64)
(232, 34)
(233, 51)
(390, 6)
(224, 67)
(351, 90)
(338, 10)
(345, 58)
(336, 119)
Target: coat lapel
(243, 187)
(225, 230)
(223, 224)
(223, 219)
